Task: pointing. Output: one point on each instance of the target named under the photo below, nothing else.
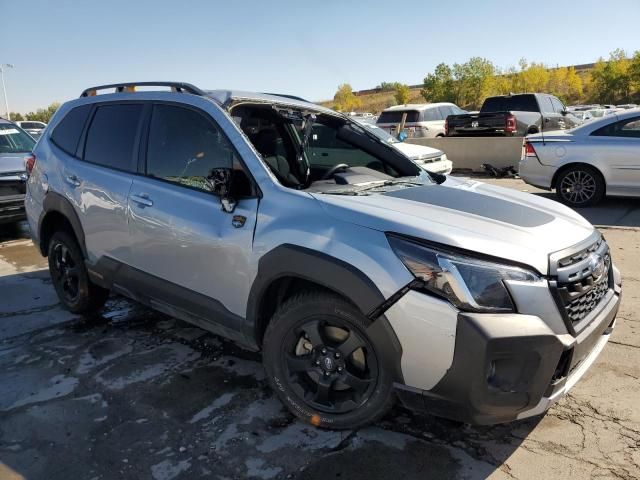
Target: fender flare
(54, 202)
(289, 260)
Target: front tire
(322, 364)
(70, 277)
(580, 186)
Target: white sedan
(584, 164)
(427, 158)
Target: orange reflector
(91, 93)
(315, 420)
(130, 89)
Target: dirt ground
(134, 394)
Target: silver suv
(361, 277)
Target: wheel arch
(58, 213)
(570, 165)
(290, 268)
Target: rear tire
(322, 364)
(70, 277)
(580, 186)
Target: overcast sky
(301, 47)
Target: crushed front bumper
(511, 366)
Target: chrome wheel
(578, 187)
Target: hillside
(375, 100)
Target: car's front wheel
(323, 365)
(580, 186)
(70, 278)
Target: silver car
(15, 154)
(361, 277)
(584, 164)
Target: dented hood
(483, 218)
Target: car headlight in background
(468, 283)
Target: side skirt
(169, 298)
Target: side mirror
(402, 136)
(220, 181)
(564, 112)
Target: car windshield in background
(14, 140)
(395, 116)
(515, 103)
(380, 133)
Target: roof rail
(292, 97)
(131, 86)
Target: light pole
(4, 89)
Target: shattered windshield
(313, 150)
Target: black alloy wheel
(65, 272)
(330, 365)
(323, 364)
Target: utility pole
(4, 88)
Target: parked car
(430, 159)
(513, 115)
(420, 120)
(581, 115)
(357, 280)
(15, 151)
(32, 127)
(583, 165)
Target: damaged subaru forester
(293, 230)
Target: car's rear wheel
(323, 365)
(580, 186)
(70, 278)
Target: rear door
(618, 146)
(98, 178)
(550, 120)
(194, 256)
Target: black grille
(583, 281)
(586, 302)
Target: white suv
(420, 120)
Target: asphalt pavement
(134, 394)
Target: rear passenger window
(111, 136)
(430, 114)
(629, 128)
(185, 146)
(67, 133)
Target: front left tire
(323, 365)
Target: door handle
(72, 180)
(142, 199)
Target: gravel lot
(135, 394)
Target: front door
(194, 255)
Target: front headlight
(468, 283)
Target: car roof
(587, 128)
(416, 106)
(223, 97)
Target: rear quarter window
(67, 133)
(395, 116)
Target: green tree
(387, 86)
(439, 85)
(634, 72)
(474, 79)
(532, 77)
(43, 114)
(401, 94)
(16, 117)
(611, 80)
(345, 100)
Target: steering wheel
(334, 170)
